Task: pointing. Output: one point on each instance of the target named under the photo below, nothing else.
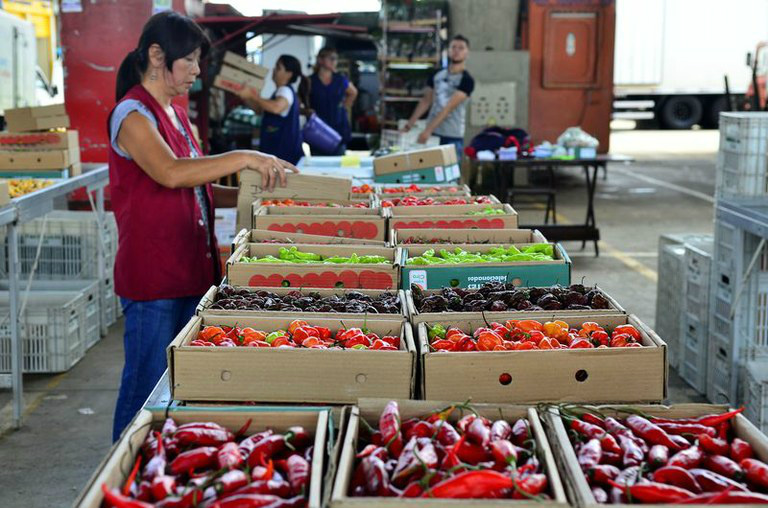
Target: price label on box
(418, 277)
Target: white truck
(671, 57)
(18, 62)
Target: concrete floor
(68, 419)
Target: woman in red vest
(164, 201)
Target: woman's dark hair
(177, 36)
(291, 64)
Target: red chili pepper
(412, 490)
(278, 488)
(472, 454)
(197, 458)
(504, 453)
(600, 495)
(616, 496)
(247, 501)
(632, 454)
(614, 427)
(713, 445)
(408, 462)
(248, 444)
(658, 456)
(478, 432)
(298, 437)
(376, 477)
(117, 500)
(169, 427)
(132, 476)
(266, 449)
(650, 432)
(756, 471)
(531, 485)
(740, 450)
(601, 474)
(587, 429)
(677, 476)
(500, 429)
(712, 420)
(389, 426)
(613, 459)
(724, 466)
(628, 476)
(589, 454)
(593, 419)
(203, 436)
(470, 485)
(298, 472)
(231, 481)
(713, 482)
(652, 492)
(520, 432)
(609, 444)
(681, 440)
(163, 486)
(229, 456)
(687, 459)
(728, 497)
(420, 429)
(687, 428)
(447, 435)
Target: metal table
(27, 208)
(588, 231)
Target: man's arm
(456, 99)
(421, 108)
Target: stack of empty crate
(66, 306)
(738, 338)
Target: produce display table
(25, 209)
(588, 231)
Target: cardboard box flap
(244, 65)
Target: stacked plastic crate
(738, 330)
(695, 327)
(63, 311)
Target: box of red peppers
(685, 454)
(285, 359)
(278, 457)
(422, 453)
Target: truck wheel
(681, 112)
(716, 107)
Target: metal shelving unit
(27, 208)
(397, 64)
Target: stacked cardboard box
(432, 165)
(32, 148)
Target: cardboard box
(114, 469)
(432, 165)
(210, 297)
(241, 77)
(51, 140)
(36, 118)
(474, 275)
(5, 193)
(390, 202)
(38, 159)
(460, 237)
(416, 317)
(452, 217)
(369, 411)
(230, 85)
(363, 223)
(385, 191)
(576, 485)
(244, 65)
(357, 276)
(264, 236)
(347, 207)
(567, 375)
(299, 186)
(316, 375)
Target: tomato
(629, 330)
(581, 343)
(297, 323)
(443, 345)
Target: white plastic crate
(741, 161)
(756, 393)
(391, 138)
(53, 326)
(69, 246)
(92, 320)
(695, 352)
(698, 265)
(720, 385)
(109, 309)
(670, 295)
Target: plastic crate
(92, 321)
(109, 309)
(721, 385)
(69, 246)
(669, 298)
(695, 352)
(698, 266)
(756, 393)
(403, 141)
(741, 161)
(53, 326)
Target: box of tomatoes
(445, 454)
(349, 219)
(678, 455)
(315, 266)
(198, 457)
(564, 359)
(284, 359)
